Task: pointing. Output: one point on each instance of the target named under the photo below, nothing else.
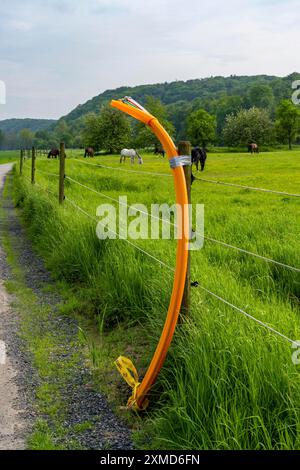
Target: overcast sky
(55, 54)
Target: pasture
(228, 383)
(7, 156)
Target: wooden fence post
(33, 165)
(21, 161)
(184, 148)
(61, 188)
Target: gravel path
(12, 423)
(82, 404)
(15, 413)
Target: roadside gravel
(82, 404)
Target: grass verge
(227, 383)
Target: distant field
(7, 156)
(228, 383)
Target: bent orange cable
(139, 400)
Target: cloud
(101, 7)
(20, 25)
(56, 54)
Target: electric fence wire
(47, 190)
(212, 240)
(252, 188)
(221, 299)
(46, 172)
(123, 169)
(162, 263)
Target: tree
(109, 130)
(115, 130)
(224, 106)
(41, 139)
(77, 142)
(201, 127)
(42, 135)
(177, 113)
(144, 137)
(249, 125)
(26, 137)
(2, 138)
(53, 141)
(261, 96)
(63, 132)
(12, 140)
(91, 134)
(288, 122)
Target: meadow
(228, 383)
(7, 156)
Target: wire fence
(48, 173)
(162, 263)
(250, 188)
(200, 286)
(47, 190)
(227, 245)
(123, 169)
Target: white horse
(132, 154)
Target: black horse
(54, 153)
(89, 152)
(199, 155)
(159, 150)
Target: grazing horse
(132, 153)
(199, 155)
(159, 151)
(253, 148)
(89, 152)
(54, 153)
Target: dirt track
(19, 381)
(12, 420)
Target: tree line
(43, 139)
(109, 130)
(229, 112)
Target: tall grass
(227, 382)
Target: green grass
(43, 438)
(7, 156)
(227, 383)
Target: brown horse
(89, 152)
(54, 153)
(253, 148)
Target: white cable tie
(180, 160)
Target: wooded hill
(16, 125)
(217, 95)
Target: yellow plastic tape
(129, 373)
